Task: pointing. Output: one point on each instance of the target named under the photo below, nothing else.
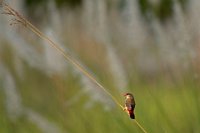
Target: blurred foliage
(162, 105)
(163, 10)
(38, 9)
(70, 3)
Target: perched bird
(129, 105)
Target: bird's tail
(132, 115)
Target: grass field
(157, 110)
(40, 91)
(160, 106)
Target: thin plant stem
(19, 19)
(140, 126)
(27, 24)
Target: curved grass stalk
(19, 19)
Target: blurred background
(147, 47)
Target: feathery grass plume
(19, 19)
(15, 107)
(12, 98)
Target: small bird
(129, 105)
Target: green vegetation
(164, 102)
(158, 111)
(161, 106)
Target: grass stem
(19, 19)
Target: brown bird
(129, 105)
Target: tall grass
(166, 87)
(19, 19)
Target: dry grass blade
(19, 19)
